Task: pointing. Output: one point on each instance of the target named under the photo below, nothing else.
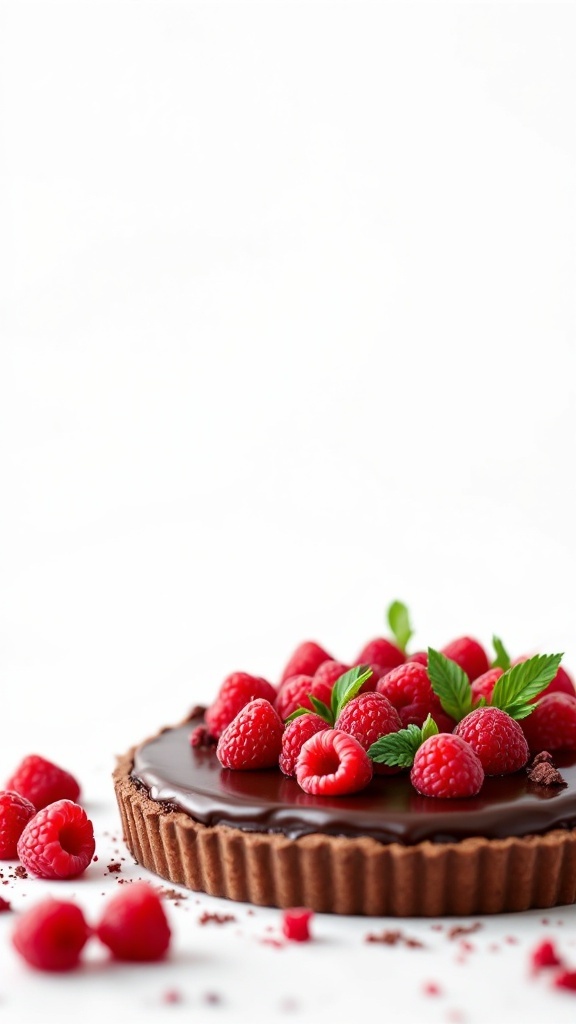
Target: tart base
(335, 874)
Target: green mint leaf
(296, 714)
(451, 684)
(399, 622)
(321, 709)
(502, 659)
(429, 728)
(397, 748)
(347, 686)
(521, 683)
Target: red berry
(496, 738)
(51, 935)
(381, 652)
(294, 738)
(253, 739)
(325, 676)
(544, 955)
(566, 979)
(296, 924)
(368, 717)
(446, 766)
(552, 724)
(42, 782)
(409, 689)
(469, 654)
(483, 686)
(306, 659)
(134, 924)
(15, 813)
(293, 694)
(58, 842)
(332, 763)
(236, 691)
(421, 657)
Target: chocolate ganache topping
(389, 810)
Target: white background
(287, 328)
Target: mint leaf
(398, 749)
(502, 659)
(296, 714)
(451, 684)
(399, 622)
(429, 728)
(521, 683)
(346, 687)
(321, 709)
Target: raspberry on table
(469, 654)
(43, 782)
(253, 739)
(15, 813)
(381, 652)
(51, 935)
(368, 717)
(58, 842)
(237, 690)
(307, 657)
(552, 724)
(545, 955)
(446, 766)
(296, 924)
(294, 693)
(332, 763)
(134, 925)
(496, 738)
(294, 737)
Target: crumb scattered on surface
(5, 906)
(209, 918)
(464, 929)
(113, 867)
(394, 938)
(431, 988)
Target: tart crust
(335, 874)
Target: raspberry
(367, 718)
(566, 979)
(15, 813)
(51, 935)
(294, 693)
(552, 725)
(296, 924)
(409, 689)
(305, 660)
(236, 691)
(544, 955)
(496, 738)
(332, 763)
(483, 685)
(446, 766)
(58, 842)
(324, 678)
(294, 738)
(420, 657)
(42, 782)
(134, 924)
(253, 739)
(469, 654)
(381, 652)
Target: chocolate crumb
(114, 866)
(394, 938)
(171, 894)
(543, 756)
(464, 929)
(208, 918)
(544, 774)
(20, 872)
(212, 998)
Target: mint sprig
(399, 622)
(518, 686)
(450, 684)
(344, 689)
(398, 749)
(502, 659)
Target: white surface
(287, 330)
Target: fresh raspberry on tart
(253, 739)
(496, 738)
(332, 763)
(237, 690)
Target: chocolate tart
(257, 837)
